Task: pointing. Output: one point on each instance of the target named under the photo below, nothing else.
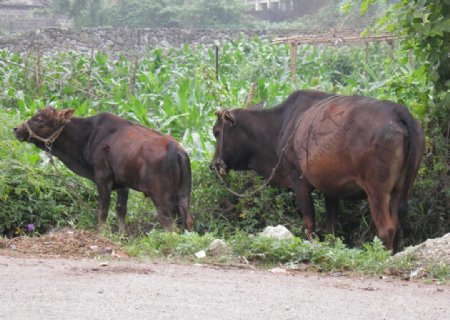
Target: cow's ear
(65, 115)
(258, 106)
(227, 116)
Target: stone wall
(124, 40)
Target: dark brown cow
(344, 146)
(117, 154)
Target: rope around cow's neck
(280, 157)
(48, 142)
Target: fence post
(217, 61)
(293, 61)
(37, 71)
(91, 60)
(133, 74)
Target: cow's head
(232, 142)
(44, 125)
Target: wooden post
(37, 71)
(391, 44)
(293, 61)
(133, 74)
(251, 93)
(217, 62)
(91, 61)
(367, 52)
(411, 59)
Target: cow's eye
(216, 133)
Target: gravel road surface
(32, 288)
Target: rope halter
(48, 142)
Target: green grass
(331, 255)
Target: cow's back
(132, 153)
(335, 139)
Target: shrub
(33, 192)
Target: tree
(83, 12)
(216, 14)
(155, 13)
(424, 26)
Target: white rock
(200, 254)
(218, 247)
(279, 232)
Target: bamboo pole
(91, 61)
(37, 71)
(133, 74)
(217, 62)
(293, 62)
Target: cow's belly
(335, 181)
(136, 167)
(350, 190)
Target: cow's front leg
(104, 198)
(121, 207)
(306, 207)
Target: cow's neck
(263, 131)
(71, 145)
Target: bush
(33, 192)
(217, 210)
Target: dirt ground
(78, 275)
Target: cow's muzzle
(20, 133)
(219, 166)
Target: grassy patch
(331, 255)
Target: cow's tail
(178, 159)
(414, 144)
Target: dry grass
(64, 243)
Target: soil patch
(65, 243)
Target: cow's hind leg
(379, 208)
(186, 218)
(396, 207)
(121, 207)
(382, 174)
(306, 206)
(104, 198)
(166, 207)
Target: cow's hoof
(311, 235)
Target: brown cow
(117, 154)
(344, 146)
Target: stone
(108, 44)
(201, 254)
(84, 37)
(218, 247)
(279, 232)
(165, 44)
(120, 41)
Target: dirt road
(32, 288)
